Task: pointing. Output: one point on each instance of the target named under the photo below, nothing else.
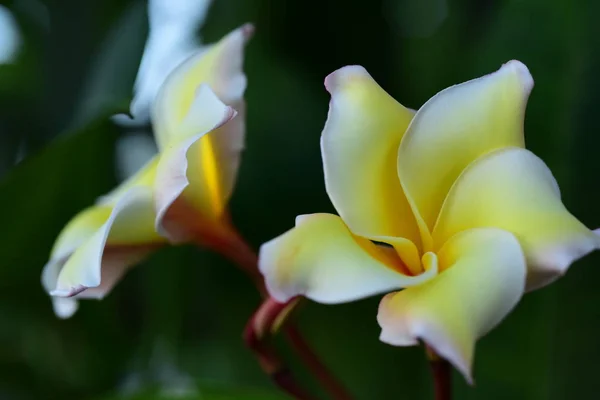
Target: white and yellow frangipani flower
(445, 203)
(180, 195)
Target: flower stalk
(257, 335)
(441, 373)
(269, 319)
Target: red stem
(234, 247)
(442, 375)
(257, 334)
(310, 359)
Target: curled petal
(190, 168)
(512, 189)
(179, 117)
(405, 249)
(321, 259)
(78, 230)
(227, 143)
(130, 223)
(219, 66)
(360, 146)
(455, 127)
(115, 262)
(482, 279)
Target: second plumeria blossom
(445, 203)
(181, 193)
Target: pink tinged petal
(455, 127)
(129, 224)
(482, 279)
(116, 260)
(359, 145)
(189, 169)
(219, 66)
(76, 232)
(512, 189)
(321, 259)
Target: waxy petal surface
(219, 66)
(482, 279)
(190, 168)
(359, 145)
(455, 127)
(514, 190)
(129, 226)
(321, 259)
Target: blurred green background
(175, 321)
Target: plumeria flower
(445, 203)
(172, 37)
(179, 196)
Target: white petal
(130, 223)
(172, 38)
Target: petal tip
(204, 93)
(412, 329)
(341, 76)
(300, 219)
(459, 361)
(64, 308)
(558, 259)
(522, 72)
(230, 113)
(248, 30)
(267, 263)
(392, 330)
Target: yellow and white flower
(180, 195)
(445, 203)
